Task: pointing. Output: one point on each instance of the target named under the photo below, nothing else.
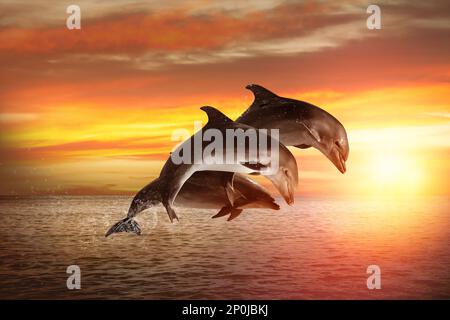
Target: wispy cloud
(439, 114)
(326, 37)
(17, 117)
(178, 30)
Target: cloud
(48, 12)
(172, 31)
(17, 117)
(134, 148)
(326, 37)
(439, 114)
(154, 36)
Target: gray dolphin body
(211, 190)
(173, 176)
(301, 124)
(203, 190)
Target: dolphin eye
(337, 144)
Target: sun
(396, 173)
(390, 169)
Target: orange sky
(92, 111)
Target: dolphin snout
(283, 187)
(337, 158)
(289, 199)
(342, 168)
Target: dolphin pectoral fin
(169, 198)
(223, 212)
(311, 131)
(182, 174)
(239, 195)
(233, 194)
(228, 210)
(125, 225)
(229, 190)
(234, 214)
(171, 212)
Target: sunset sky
(92, 111)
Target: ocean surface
(317, 249)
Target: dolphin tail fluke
(125, 225)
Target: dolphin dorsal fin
(215, 116)
(262, 95)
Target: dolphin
(202, 191)
(173, 176)
(301, 124)
(211, 190)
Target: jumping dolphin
(301, 124)
(202, 191)
(209, 190)
(173, 176)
